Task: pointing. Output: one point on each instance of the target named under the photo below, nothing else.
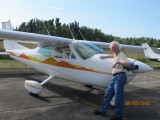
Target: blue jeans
(115, 87)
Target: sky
(121, 18)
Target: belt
(118, 73)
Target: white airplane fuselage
(91, 71)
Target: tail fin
(149, 52)
(7, 25)
(10, 45)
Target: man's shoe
(116, 118)
(97, 112)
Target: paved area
(67, 100)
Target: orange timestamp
(137, 103)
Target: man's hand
(114, 65)
(101, 57)
(106, 56)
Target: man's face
(115, 48)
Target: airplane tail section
(149, 53)
(10, 45)
(7, 25)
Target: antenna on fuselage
(71, 33)
(46, 28)
(82, 35)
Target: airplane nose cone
(142, 67)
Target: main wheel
(89, 86)
(33, 94)
(33, 87)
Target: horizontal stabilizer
(4, 53)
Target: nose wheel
(112, 102)
(89, 86)
(34, 87)
(33, 94)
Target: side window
(66, 54)
(63, 52)
(58, 52)
(73, 56)
(46, 51)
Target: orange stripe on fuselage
(52, 61)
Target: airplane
(75, 60)
(149, 53)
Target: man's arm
(107, 56)
(123, 63)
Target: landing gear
(89, 86)
(34, 87)
(112, 103)
(33, 94)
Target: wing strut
(46, 80)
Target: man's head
(115, 47)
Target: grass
(8, 63)
(12, 64)
(153, 64)
(29, 45)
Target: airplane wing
(24, 36)
(44, 40)
(106, 45)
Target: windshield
(86, 50)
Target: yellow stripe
(32, 86)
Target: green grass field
(12, 64)
(8, 63)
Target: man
(116, 85)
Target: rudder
(149, 53)
(10, 45)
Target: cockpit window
(46, 51)
(86, 50)
(64, 52)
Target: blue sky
(122, 18)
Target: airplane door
(68, 64)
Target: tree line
(55, 28)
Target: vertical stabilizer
(149, 53)
(7, 25)
(10, 45)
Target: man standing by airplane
(116, 86)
